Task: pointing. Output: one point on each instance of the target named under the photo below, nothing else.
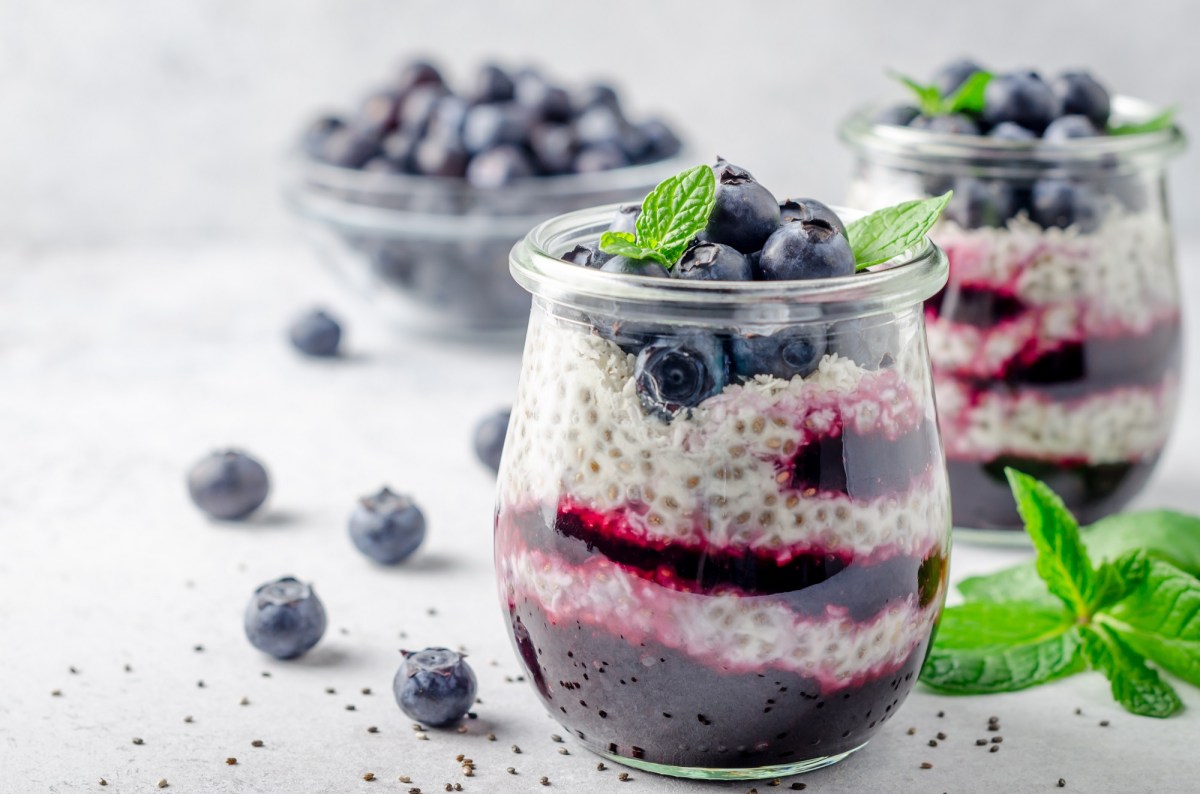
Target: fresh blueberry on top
(1065, 128)
(625, 218)
(1008, 131)
(807, 209)
(805, 250)
(600, 157)
(499, 166)
(950, 77)
(744, 214)
(492, 84)
(387, 527)
(284, 618)
(897, 115)
(1023, 98)
(316, 333)
(714, 262)
(1081, 94)
(228, 485)
(635, 267)
(680, 372)
(1061, 204)
(489, 438)
(977, 203)
(789, 352)
(587, 256)
(435, 687)
(952, 124)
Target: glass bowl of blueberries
(417, 196)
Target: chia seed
(256, 743)
(995, 748)
(231, 761)
(373, 729)
(941, 736)
(926, 765)
(545, 781)
(369, 776)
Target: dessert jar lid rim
(860, 132)
(536, 265)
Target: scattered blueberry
(897, 115)
(1008, 131)
(316, 333)
(488, 126)
(952, 124)
(284, 618)
(806, 250)
(387, 527)
(659, 141)
(745, 213)
(489, 438)
(1020, 97)
(950, 77)
(1080, 93)
(625, 218)
(549, 102)
(792, 351)
(714, 262)
(680, 372)
(807, 209)
(435, 687)
(1065, 128)
(1061, 204)
(228, 485)
(635, 267)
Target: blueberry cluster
(750, 236)
(502, 127)
(1023, 106)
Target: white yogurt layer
(715, 476)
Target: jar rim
(536, 264)
(860, 132)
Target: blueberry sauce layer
(647, 701)
(983, 500)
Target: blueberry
(418, 108)
(399, 148)
(418, 72)
(793, 351)
(714, 262)
(871, 342)
(1008, 131)
(1061, 204)
(448, 116)
(599, 125)
(1023, 98)
(1081, 94)
(438, 155)
(489, 438)
(806, 209)
(625, 218)
(499, 166)
(318, 131)
(977, 204)
(586, 256)
(488, 126)
(378, 112)
(600, 157)
(387, 527)
(316, 333)
(635, 267)
(805, 250)
(658, 142)
(745, 213)
(897, 115)
(595, 95)
(547, 101)
(952, 124)
(950, 77)
(349, 147)
(1066, 128)
(680, 372)
(492, 84)
(284, 618)
(228, 485)
(554, 146)
(435, 687)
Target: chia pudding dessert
(1056, 341)
(723, 519)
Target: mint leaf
(968, 97)
(1161, 620)
(984, 625)
(891, 231)
(1161, 534)
(1160, 122)
(675, 212)
(990, 670)
(1116, 580)
(929, 99)
(622, 244)
(1135, 686)
(1062, 560)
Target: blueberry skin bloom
(489, 438)
(784, 354)
(807, 209)
(387, 527)
(1082, 94)
(744, 214)
(1065, 128)
(435, 687)
(228, 485)
(806, 250)
(680, 372)
(714, 262)
(1023, 98)
(284, 618)
(316, 333)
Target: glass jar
(723, 516)
(1056, 341)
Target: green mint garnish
(672, 215)
(967, 98)
(1117, 618)
(1160, 122)
(891, 231)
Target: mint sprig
(1122, 618)
(967, 98)
(1161, 121)
(672, 215)
(891, 231)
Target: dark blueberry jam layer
(982, 499)
(866, 466)
(977, 306)
(807, 583)
(651, 703)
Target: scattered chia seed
(72, 670)
(414, 790)
(266, 673)
(230, 761)
(508, 679)
(199, 649)
(103, 782)
(980, 742)
(563, 751)
(57, 693)
(449, 787)
(162, 782)
(1103, 723)
(188, 718)
(941, 714)
(926, 765)
(256, 743)
(245, 701)
(912, 731)
(345, 631)
(330, 690)
(798, 786)
(373, 729)
(775, 782)
(624, 776)
(129, 668)
(405, 779)
(138, 740)
(554, 737)
(416, 726)
(511, 770)
(349, 707)
(472, 715)
(200, 684)
(993, 720)
(369, 776)
(995, 748)
(1077, 711)
(933, 742)
(997, 739)
(424, 737)
(366, 690)
(479, 701)
(1062, 782)
(432, 612)
(491, 737)
(995, 726)
(941, 736)
(516, 749)
(600, 767)
(545, 781)
(458, 787)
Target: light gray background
(128, 119)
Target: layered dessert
(723, 545)
(1056, 342)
